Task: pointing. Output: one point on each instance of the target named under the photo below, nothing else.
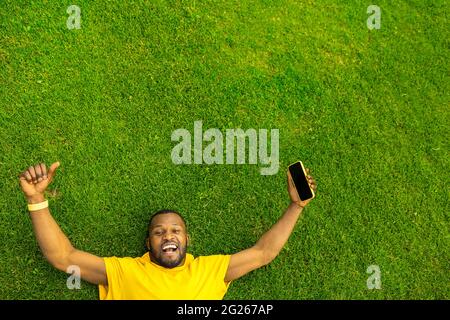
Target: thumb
(289, 179)
(52, 170)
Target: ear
(147, 243)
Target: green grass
(366, 110)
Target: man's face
(168, 240)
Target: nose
(168, 236)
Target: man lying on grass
(166, 271)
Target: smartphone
(298, 174)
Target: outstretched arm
(54, 244)
(271, 243)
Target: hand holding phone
(301, 185)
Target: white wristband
(37, 206)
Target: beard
(168, 262)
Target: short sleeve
(115, 275)
(215, 268)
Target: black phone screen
(300, 181)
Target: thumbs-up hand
(36, 179)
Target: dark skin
(165, 229)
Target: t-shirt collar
(188, 259)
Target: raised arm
(54, 244)
(271, 243)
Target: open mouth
(169, 248)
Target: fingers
(27, 176)
(44, 171)
(52, 170)
(311, 181)
(38, 170)
(289, 178)
(32, 173)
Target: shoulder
(213, 257)
(125, 261)
(213, 260)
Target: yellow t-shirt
(139, 278)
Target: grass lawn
(367, 111)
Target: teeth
(169, 246)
